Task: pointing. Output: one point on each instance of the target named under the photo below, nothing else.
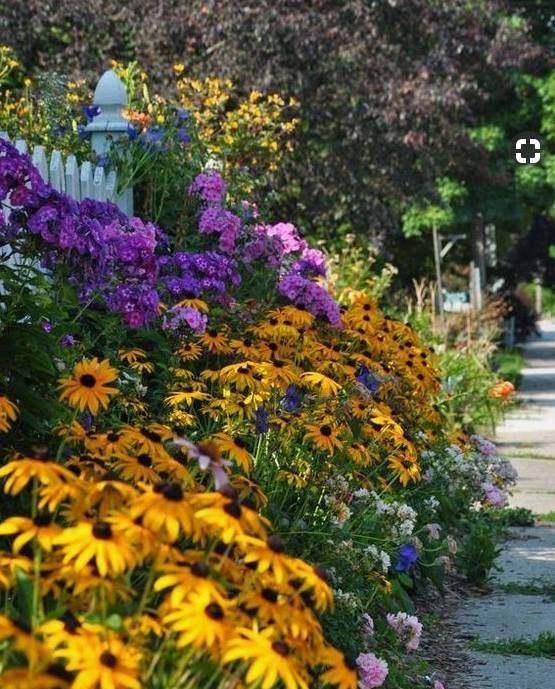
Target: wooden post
(479, 249)
(437, 259)
(111, 97)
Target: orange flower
(502, 390)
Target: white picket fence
(83, 181)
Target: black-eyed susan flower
(269, 658)
(97, 542)
(24, 469)
(102, 662)
(215, 341)
(269, 556)
(341, 673)
(134, 469)
(22, 639)
(324, 436)
(186, 578)
(279, 372)
(8, 413)
(236, 448)
(189, 351)
(87, 387)
(9, 564)
(41, 527)
(200, 622)
(323, 383)
(165, 510)
(148, 439)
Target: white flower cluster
(377, 557)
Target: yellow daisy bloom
(86, 388)
(324, 436)
(41, 528)
(326, 385)
(269, 660)
(99, 542)
(102, 663)
(8, 413)
(200, 622)
(341, 673)
(165, 511)
(23, 469)
(236, 449)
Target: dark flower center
(112, 437)
(240, 443)
(172, 491)
(42, 520)
(276, 544)
(102, 531)
(243, 369)
(71, 623)
(247, 342)
(87, 380)
(151, 435)
(145, 460)
(212, 332)
(108, 659)
(270, 595)
(214, 611)
(200, 570)
(233, 508)
(281, 648)
(325, 430)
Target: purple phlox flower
(407, 557)
(311, 296)
(180, 316)
(262, 423)
(210, 186)
(222, 222)
(46, 325)
(82, 132)
(68, 340)
(91, 111)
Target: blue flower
(292, 400)
(102, 160)
(407, 557)
(182, 114)
(153, 139)
(261, 420)
(132, 132)
(82, 131)
(91, 111)
(368, 379)
(182, 136)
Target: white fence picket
(56, 171)
(40, 162)
(86, 180)
(99, 184)
(73, 186)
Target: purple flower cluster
(186, 316)
(210, 187)
(224, 223)
(272, 243)
(187, 274)
(308, 295)
(108, 255)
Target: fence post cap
(110, 90)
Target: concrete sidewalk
(527, 435)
